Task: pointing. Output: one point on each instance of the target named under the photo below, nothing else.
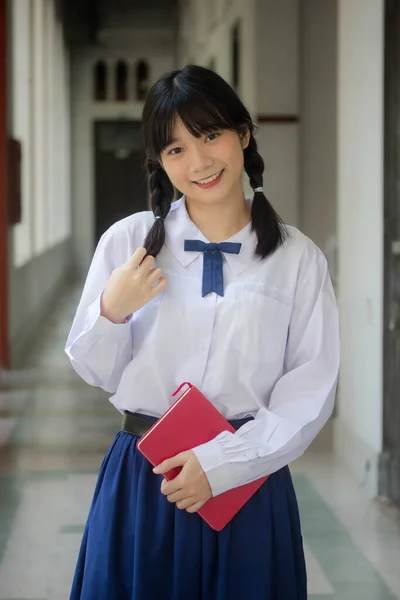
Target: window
(49, 114)
(142, 79)
(100, 81)
(121, 81)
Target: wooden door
(120, 180)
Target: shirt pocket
(262, 325)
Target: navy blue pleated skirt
(139, 546)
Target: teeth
(209, 179)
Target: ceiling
(85, 20)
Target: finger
(185, 503)
(176, 461)
(177, 496)
(154, 275)
(137, 257)
(159, 287)
(193, 508)
(172, 486)
(147, 264)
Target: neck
(219, 221)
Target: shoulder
(126, 235)
(305, 261)
(136, 226)
(121, 240)
(301, 250)
(297, 264)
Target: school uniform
(264, 348)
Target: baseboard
(361, 459)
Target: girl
(211, 289)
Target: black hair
(205, 103)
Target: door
(120, 179)
(390, 460)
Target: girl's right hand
(131, 286)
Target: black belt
(138, 424)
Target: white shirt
(268, 348)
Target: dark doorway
(390, 460)
(120, 180)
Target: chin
(212, 195)
(209, 198)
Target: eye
(175, 151)
(213, 136)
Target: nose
(201, 161)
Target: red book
(192, 420)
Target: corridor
(54, 430)
(74, 78)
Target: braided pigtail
(266, 223)
(162, 194)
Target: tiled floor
(54, 430)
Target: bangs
(200, 115)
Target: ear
(245, 139)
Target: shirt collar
(180, 227)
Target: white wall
(277, 83)
(318, 126)
(39, 247)
(158, 50)
(21, 92)
(277, 30)
(278, 145)
(360, 226)
(40, 121)
(205, 34)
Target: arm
(302, 399)
(98, 349)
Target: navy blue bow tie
(213, 278)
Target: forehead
(179, 131)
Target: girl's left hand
(190, 489)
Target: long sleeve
(100, 350)
(302, 400)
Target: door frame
(389, 462)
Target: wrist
(111, 315)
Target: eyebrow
(173, 141)
(176, 140)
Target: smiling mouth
(209, 179)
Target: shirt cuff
(215, 466)
(100, 325)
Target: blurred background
(321, 79)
